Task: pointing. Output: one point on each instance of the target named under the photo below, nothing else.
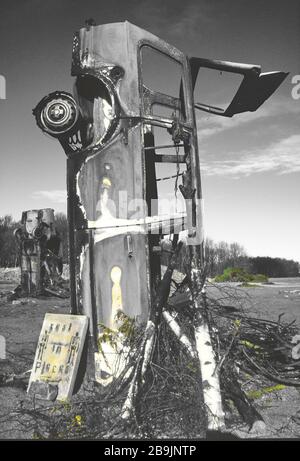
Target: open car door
(254, 90)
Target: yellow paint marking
(106, 182)
(116, 295)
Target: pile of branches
(261, 348)
(257, 345)
(169, 399)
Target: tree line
(218, 255)
(221, 255)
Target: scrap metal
(107, 130)
(40, 254)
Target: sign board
(57, 356)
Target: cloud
(210, 125)
(281, 158)
(174, 18)
(55, 196)
(189, 20)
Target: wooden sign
(57, 356)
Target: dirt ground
(20, 325)
(21, 321)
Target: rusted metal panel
(254, 90)
(107, 129)
(109, 155)
(39, 250)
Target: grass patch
(237, 274)
(257, 394)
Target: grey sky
(250, 163)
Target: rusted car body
(39, 249)
(107, 130)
